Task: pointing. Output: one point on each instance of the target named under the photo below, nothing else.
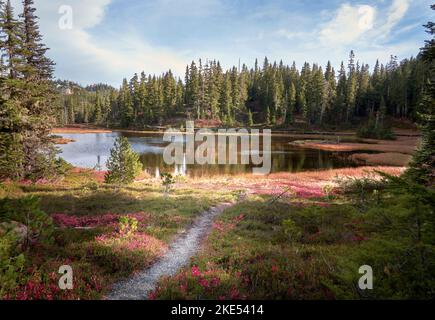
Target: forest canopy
(269, 94)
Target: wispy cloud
(348, 25)
(395, 13)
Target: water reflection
(92, 151)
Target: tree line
(272, 94)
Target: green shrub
(62, 167)
(11, 265)
(317, 225)
(400, 246)
(291, 230)
(27, 211)
(127, 226)
(362, 190)
(167, 182)
(123, 164)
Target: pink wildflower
(195, 271)
(152, 295)
(204, 283)
(215, 282)
(183, 287)
(234, 294)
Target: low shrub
(362, 190)
(27, 211)
(11, 264)
(127, 226)
(62, 167)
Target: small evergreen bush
(123, 164)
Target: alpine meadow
(287, 179)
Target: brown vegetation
(404, 145)
(388, 152)
(389, 158)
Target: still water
(91, 150)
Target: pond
(91, 150)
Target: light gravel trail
(180, 251)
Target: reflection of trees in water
(282, 159)
(92, 151)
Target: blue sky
(112, 39)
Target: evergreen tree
(39, 97)
(226, 100)
(27, 88)
(12, 122)
(98, 113)
(340, 102)
(422, 167)
(330, 92)
(126, 105)
(291, 104)
(123, 165)
(39, 66)
(351, 88)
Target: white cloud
(366, 29)
(395, 13)
(362, 22)
(78, 52)
(348, 25)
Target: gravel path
(180, 251)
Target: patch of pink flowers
(308, 192)
(234, 294)
(195, 271)
(204, 283)
(296, 190)
(71, 221)
(33, 290)
(37, 289)
(212, 282)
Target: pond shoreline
(397, 152)
(363, 151)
